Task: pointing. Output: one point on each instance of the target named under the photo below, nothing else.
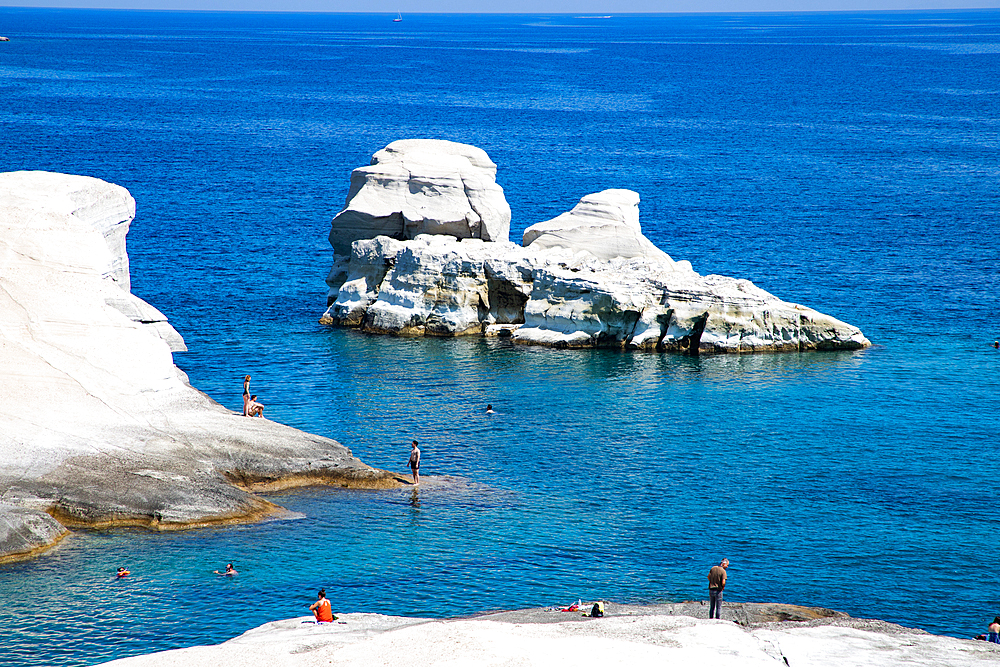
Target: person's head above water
(489, 407)
(229, 566)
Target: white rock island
(587, 278)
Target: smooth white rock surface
(96, 422)
(423, 186)
(605, 224)
(370, 640)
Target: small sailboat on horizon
(399, 17)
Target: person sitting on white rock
(255, 409)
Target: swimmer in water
(230, 571)
(122, 573)
(489, 409)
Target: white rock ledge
(97, 425)
(628, 639)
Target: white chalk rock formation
(423, 186)
(97, 425)
(627, 640)
(588, 278)
(605, 224)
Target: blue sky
(517, 6)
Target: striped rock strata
(97, 425)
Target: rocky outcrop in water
(97, 425)
(588, 278)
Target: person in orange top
(321, 608)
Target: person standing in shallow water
(414, 462)
(716, 584)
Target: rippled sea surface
(845, 161)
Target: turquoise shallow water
(844, 161)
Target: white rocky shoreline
(768, 635)
(421, 249)
(99, 427)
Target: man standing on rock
(414, 462)
(716, 584)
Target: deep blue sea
(850, 162)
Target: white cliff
(97, 425)
(423, 186)
(588, 278)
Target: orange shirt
(323, 611)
